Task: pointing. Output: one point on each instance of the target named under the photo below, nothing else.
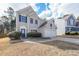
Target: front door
(23, 33)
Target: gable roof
(65, 17)
(43, 24)
(29, 11)
(46, 21)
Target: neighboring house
(60, 23)
(70, 22)
(67, 23)
(27, 21)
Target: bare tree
(78, 18)
(6, 24)
(1, 27)
(10, 12)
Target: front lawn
(4, 42)
(33, 49)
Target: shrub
(3, 35)
(33, 34)
(76, 33)
(14, 35)
(72, 33)
(67, 33)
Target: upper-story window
(72, 22)
(50, 25)
(31, 20)
(53, 21)
(36, 22)
(22, 18)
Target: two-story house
(64, 24)
(70, 22)
(27, 21)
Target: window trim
(50, 25)
(36, 21)
(31, 20)
(22, 18)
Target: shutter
(19, 18)
(26, 19)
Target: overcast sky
(48, 10)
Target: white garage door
(49, 33)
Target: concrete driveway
(60, 38)
(70, 40)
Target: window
(53, 21)
(19, 18)
(36, 22)
(50, 25)
(71, 21)
(31, 20)
(22, 18)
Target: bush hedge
(33, 34)
(72, 33)
(3, 35)
(67, 33)
(14, 35)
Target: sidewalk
(70, 40)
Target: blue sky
(48, 10)
(41, 7)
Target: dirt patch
(36, 49)
(4, 42)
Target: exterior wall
(50, 22)
(34, 26)
(60, 23)
(20, 24)
(47, 31)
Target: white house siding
(20, 24)
(60, 23)
(47, 31)
(32, 26)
